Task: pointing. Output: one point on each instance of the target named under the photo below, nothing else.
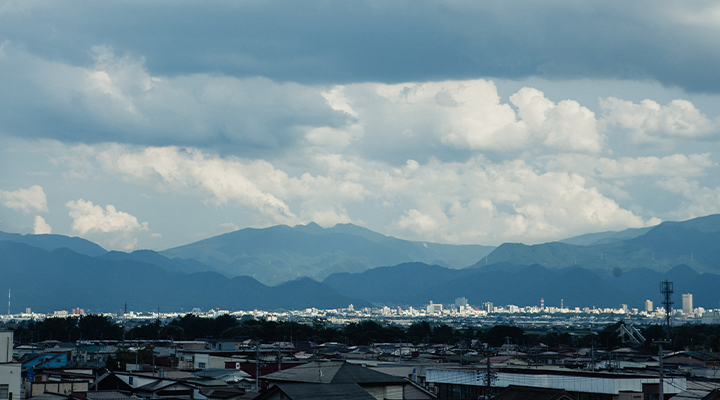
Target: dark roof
(313, 391)
(222, 393)
(332, 372)
(534, 393)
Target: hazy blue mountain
(693, 243)
(281, 253)
(51, 242)
(503, 284)
(157, 259)
(62, 279)
(605, 237)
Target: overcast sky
(141, 124)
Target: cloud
(116, 227)
(482, 202)
(564, 126)
(41, 227)
(476, 201)
(649, 122)
(116, 99)
(632, 167)
(25, 200)
(673, 43)
(465, 115)
(697, 201)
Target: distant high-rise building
(488, 306)
(461, 302)
(649, 306)
(624, 307)
(434, 308)
(687, 304)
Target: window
(4, 391)
(130, 381)
(201, 365)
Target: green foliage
(496, 336)
(99, 327)
(123, 357)
(70, 329)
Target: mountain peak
(311, 227)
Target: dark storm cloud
(342, 42)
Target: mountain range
(279, 253)
(272, 267)
(693, 243)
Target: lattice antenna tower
(666, 288)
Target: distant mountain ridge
(503, 284)
(63, 279)
(52, 242)
(359, 266)
(276, 254)
(693, 243)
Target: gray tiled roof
(313, 391)
(332, 372)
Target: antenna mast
(666, 288)
(9, 302)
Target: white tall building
(434, 308)
(687, 304)
(648, 305)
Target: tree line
(191, 327)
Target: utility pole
(660, 358)
(257, 366)
(490, 376)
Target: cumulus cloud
(564, 126)
(482, 202)
(632, 167)
(25, 200)
(117, 227)
(697, 200)
(467, 115)
(649, 122)
(477, 201)
(41, 227)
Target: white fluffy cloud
(468, 115)
(649, 122)
(115, 227)
(41, 227)
(477, 201)
(629, 167)
(25, 200)
(566, 126)
(482, 202)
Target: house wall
(220, 362)
(10, 374)
(6, 346)
(39, 388)
(385, 392)
(410, 392)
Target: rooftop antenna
(666, 288)
(9, 302)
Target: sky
(149, 125)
